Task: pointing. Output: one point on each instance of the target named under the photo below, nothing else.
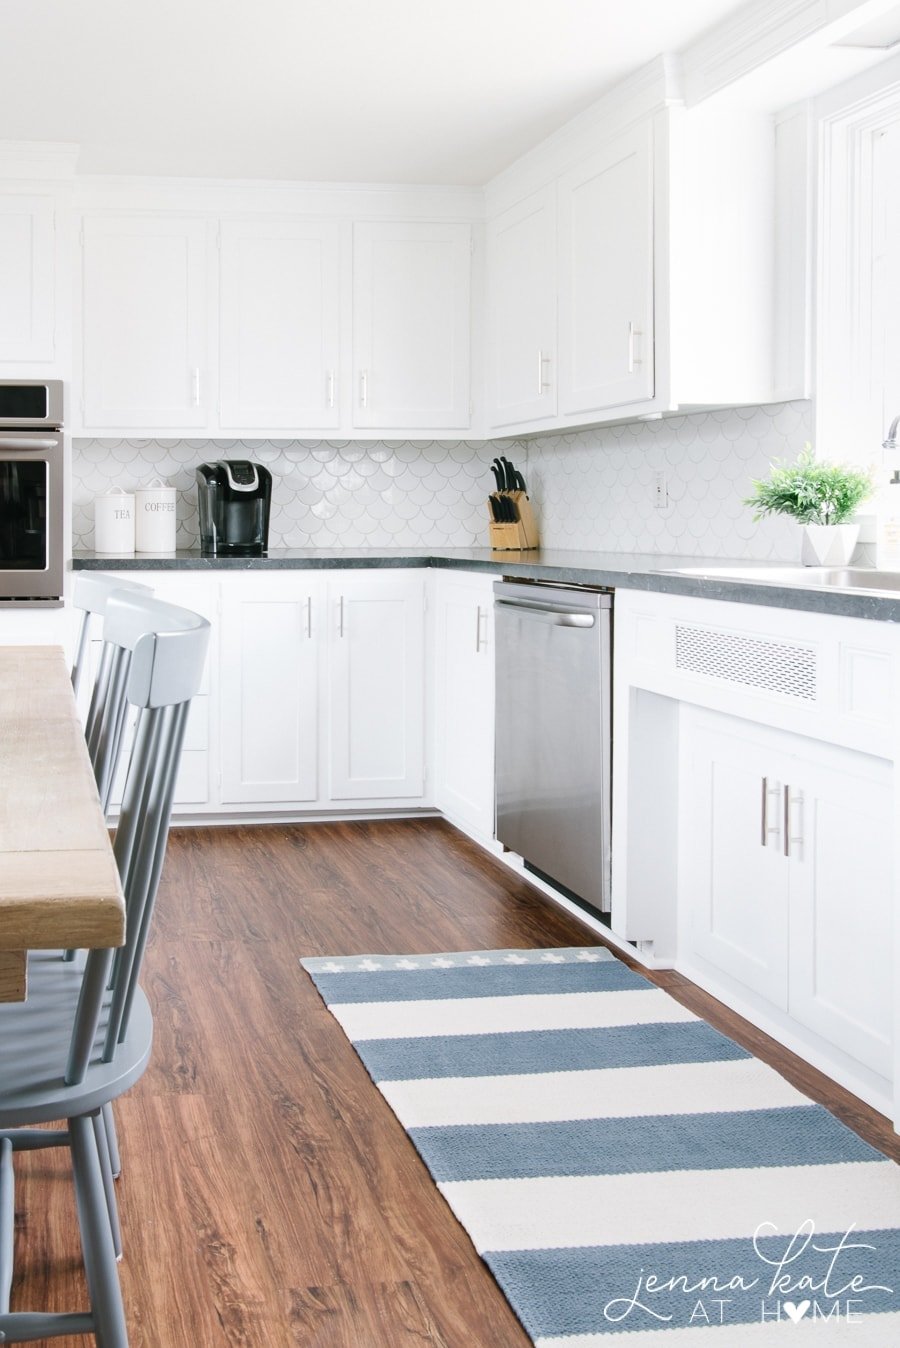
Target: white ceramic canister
(154, 528)
(114, 522)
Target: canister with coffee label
(114, 522)
(154, 529)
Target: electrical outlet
(660, 492)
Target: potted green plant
(823, 497)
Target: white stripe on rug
(616, 1092)
(870, 1331)
(674, 1205)
(499, 1015)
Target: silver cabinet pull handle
(790, 838)
(309, 616)
(341, 616)
(195, 387)
(543, 384)
(364, 388)
(765, 827)
(632, 358)
(331, 388)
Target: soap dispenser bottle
(887, 517)
(887, 525)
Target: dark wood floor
(270, 1198)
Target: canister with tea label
(114, 522)
(154, 528)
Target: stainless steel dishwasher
(553, 737)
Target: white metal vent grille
(754, 661)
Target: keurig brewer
(234, 497)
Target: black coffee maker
(234, 497)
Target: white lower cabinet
(464, 700)
(376, 685)
(786, 875)
(321, 689)
(269, 688)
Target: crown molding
(655, 86)
(762, 31)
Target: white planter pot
(828, 544)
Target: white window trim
(849, 118)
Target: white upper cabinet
(145, 321)
(606, 277)
(280, 324)
(26, 278)
(411, 325)
(672, 277)
(521, 311)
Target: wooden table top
(59, 885)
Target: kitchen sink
(804, 577)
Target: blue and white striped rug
(622, 1167)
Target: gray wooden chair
(89, 594)
(84, 1035)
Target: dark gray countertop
(630, 570)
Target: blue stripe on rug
(498, 981)
(480, 1055)
(617, 1146)
(592, 1291)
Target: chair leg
(112, 1140)
(108, 1184)
(96, 1238)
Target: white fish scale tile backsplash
(324, 493)
(594, 488)
(591, 489)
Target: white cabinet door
(376, 685)
(269, 703)
(26, 278)
(145, 321)
(804, 919)
(841, 908)
(464, 700)
(280, 324)
(731, 859)
(411, 325)
(606, 277)
(521, 343)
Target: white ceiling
(419, 91)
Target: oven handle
(27, 442)
(554, 617)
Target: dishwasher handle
(554, 617)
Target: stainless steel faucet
(891, 441)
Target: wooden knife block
(519, 537)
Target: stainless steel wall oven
(32, 476)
